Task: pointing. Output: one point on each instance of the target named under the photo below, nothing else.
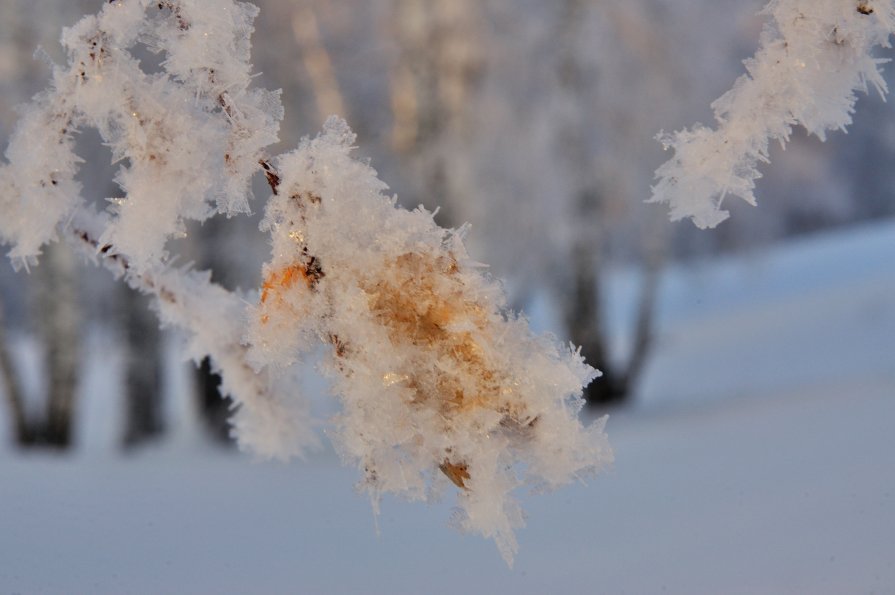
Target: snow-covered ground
(758, 458)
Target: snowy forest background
(748, 369)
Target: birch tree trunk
(59, 323)
(583, 309)
(143, 398)
(12, 389)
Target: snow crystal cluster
(436, 381)
(439, 384)
(814, 56)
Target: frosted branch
(271, 420)
(440, 385)
(814, 56)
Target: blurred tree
(500, 113)
(59, 321)
(213, 249)
(582, 313)
(142, 390)
(317, 62)
(55, 309)
(438, 63)
(12, 389)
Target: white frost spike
(813, 57)
(435, 378)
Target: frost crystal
(438, 383)
(813, 57)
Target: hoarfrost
(439, 384)
(814, 56)
(436, 379)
